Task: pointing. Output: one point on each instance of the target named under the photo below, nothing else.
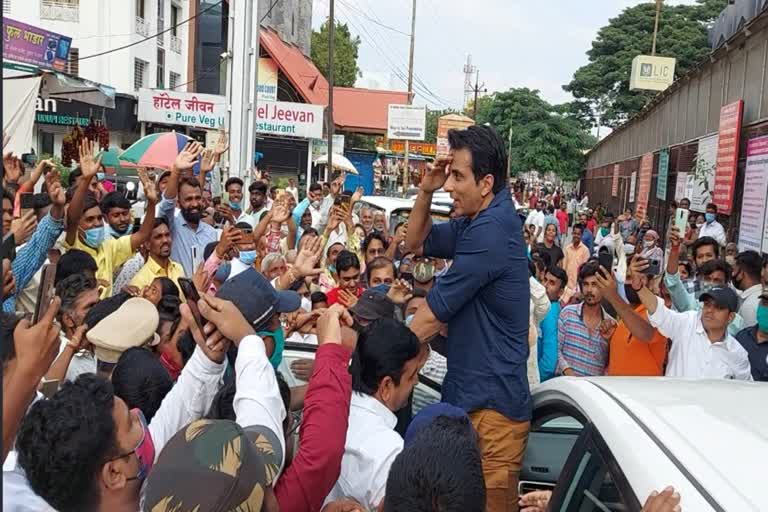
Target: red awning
(355, 110)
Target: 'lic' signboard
(652, 73)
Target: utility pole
(656, 26)
(509, 155)
(243, 80)
(406, 164)
(331, 126)
(476, 90)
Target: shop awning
(58, 85)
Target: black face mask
(632, 297)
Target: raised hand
(215, 351)
(436, 174)
(674, 236)
(229, 237)
(666, 501)
(55, 191)
(347, 299)
(150, 190)
(207, 160)
(13, 168)
(221, 146)
(187, 157)
(89, 162)
(359, 191)
(23, 227)
(334, 219)
(400, 292)
(329, 324)
(302, 369)
(307, 259)
(201, 279)
(637, 266)
(280, 213)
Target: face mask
(423, 272)
(234, 205)
(332, 268)
(117, 234)
(762, 318)
(408, 320)
(94, 237)
(629, 249)
(709, 217)
(649, 244)
(100, 176)
(604, 231)
(731, 260)
(247, 257)
(145, 451)
(279, 339)
(315, 205)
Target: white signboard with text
(182, 108)
(752, 222)
(702, 177)
(632, 186)
(682, 180)
(406, 122)
(294, 119)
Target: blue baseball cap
(256, 299)
(429, 414)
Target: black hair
(8, 195)
(489, 153)
(318, 297)
(70, 289)
(273, 188)
(285, 394)
(751, 263)
(377, 263)
(221, 405)
(441, 470)
(588, 269)
(8, 323)
(163, 176)
(703, 242)
(190, 182)
(74, 261)
(374, 235)
(315, 187)
(560, 274)
(168, 287)
(687, 266)
(579, 226)
(186, 346)
(74, 175)
(258, 186)
(160, 221)
(711, 206)
(308, 232)
(715, 266)
(64, 441)
(345, 261)
(105, 307)
(209, 248)
(114, 200)
(551, 209)
(141, 380)
(234, 180)
(382, 350)
(90, 202)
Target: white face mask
(648, 244)
(306, 304)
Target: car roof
(390, 204)
(717, 429)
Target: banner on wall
(753, 203)
(663, 175)
(682, 178)
(267, 87)
(615, 185)
(34, 45)
(702, 175)
(727, 155)
(632, 184)
(644, 187)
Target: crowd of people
(144, 359)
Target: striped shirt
(580, 348)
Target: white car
(398, 209)
(605, 443)
(610, 441)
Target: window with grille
(160, 21)
(160, 68)
(139, 74)
(140, 8)
(73, 62)
(6, 7)
(174, 80)
(174, 19)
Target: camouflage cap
(213, 465)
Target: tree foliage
(432, 118)
(544, 137)
(345, 48)
(601, 88)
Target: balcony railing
(176, 44)
(143, 27)
(59, 10)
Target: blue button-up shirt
(484, 299)
(188, 243)
(30, 257)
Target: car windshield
(402, 215)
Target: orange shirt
(629, 356)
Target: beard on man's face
(191, 214)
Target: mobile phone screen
(8, 251)
(45, 293)
(192, 296)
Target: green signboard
(60, 119)
(661, 183)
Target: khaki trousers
(502, 446)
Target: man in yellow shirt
(85, 222)
(159, 263)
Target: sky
(513, 43)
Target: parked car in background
(398, 210)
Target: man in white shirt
(291, 189)
(711, 227)
(536, 218)
(701, 345)
(747, 278)
(384, 370)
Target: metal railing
(143, 27)
(176, 44)
(59, 10)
